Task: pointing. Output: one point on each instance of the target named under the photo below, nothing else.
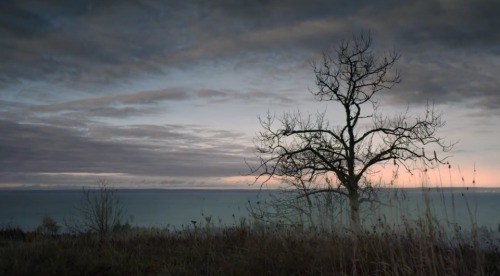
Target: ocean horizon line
(232, 188)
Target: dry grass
(245, 250)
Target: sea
(181, 208)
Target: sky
(167, 94)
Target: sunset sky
(168, 93)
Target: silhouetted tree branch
(306, 152)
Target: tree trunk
(354, 212)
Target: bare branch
(303, 151)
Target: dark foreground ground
(244, 251)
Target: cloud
(171, 136)
(210, 93)
(137, 150)
(81, 36)
(456, 24)
(145, 97)
(447, 78)
(146, 102)
(101, 44)
(109, 43)
(16, 20)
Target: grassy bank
(246, 250)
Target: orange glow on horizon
(443, 176)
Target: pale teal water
(160, 208)
(458, 206)
(177, 208)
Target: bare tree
(101, 211)
(313, 156)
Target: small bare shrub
(101, 211)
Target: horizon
(162, 94)
(73, 188)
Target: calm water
(25, 209)
(160, 208)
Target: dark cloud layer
(162, 151)
(144, 97)
(86, 42)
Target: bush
(100, 211)
(12, 233)
(48, 227)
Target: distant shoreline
(431, 188)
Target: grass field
(247, 250)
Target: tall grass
(248, 249)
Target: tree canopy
(310, 154)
